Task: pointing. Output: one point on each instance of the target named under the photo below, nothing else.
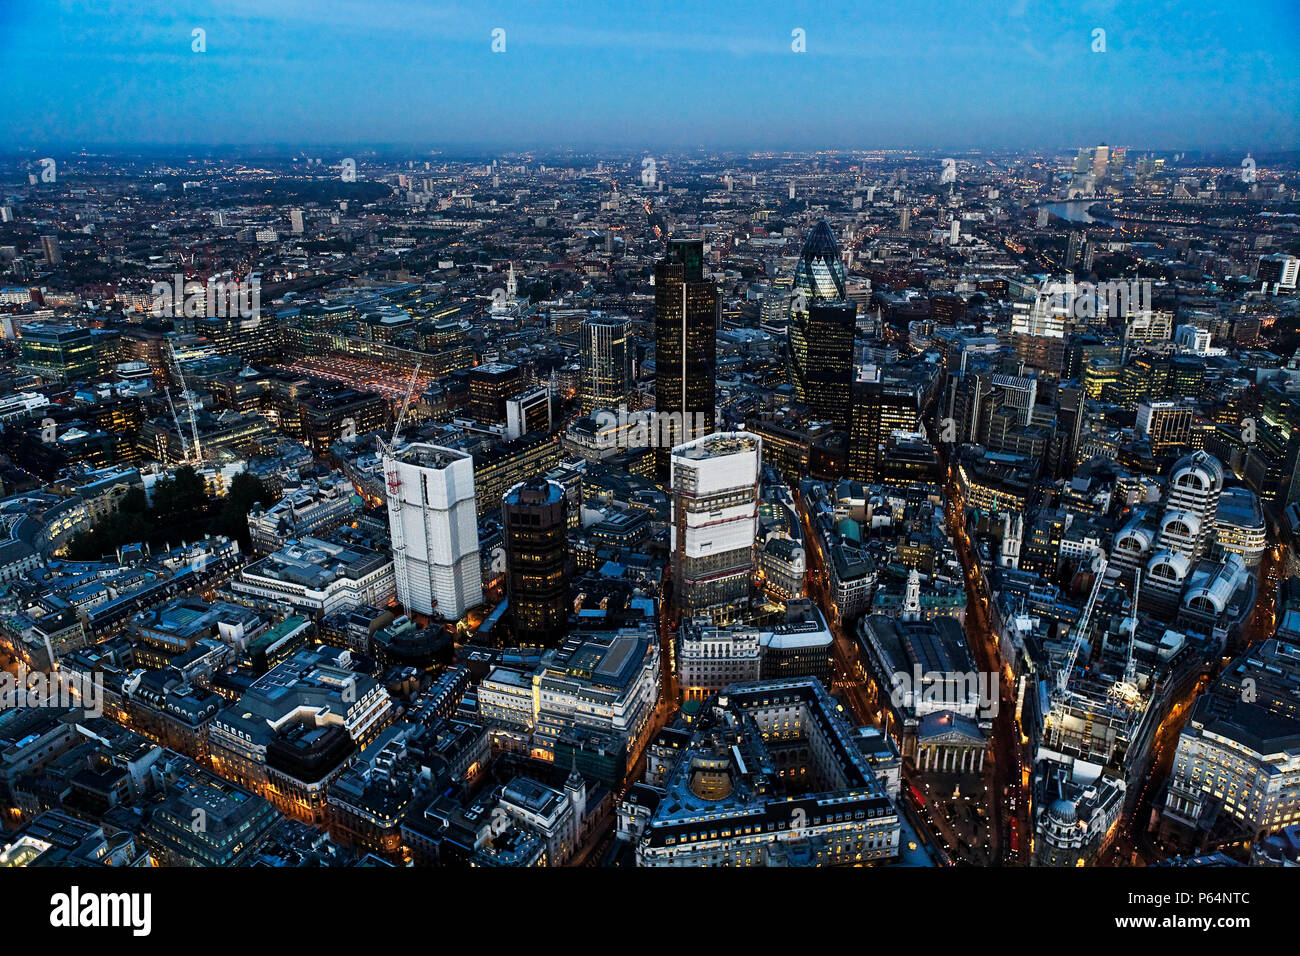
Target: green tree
(181, 499)
(245, 491)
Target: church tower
(1013, 533)
(912, 599)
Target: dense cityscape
(620, 510)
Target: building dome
(1181, 523)
(1169, 566)
(819, 274)
(1062, 811)
(1199, 471)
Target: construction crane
(1127, 689)
(392, 477)
(190, 399)
(180, 432)
(1081, 629)
(387, 446)
(1130, 669)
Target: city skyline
(618, 438)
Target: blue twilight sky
(1183, 74)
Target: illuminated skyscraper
(821, 329)
(819, 274)
(1100, 161)
(879, 409)
(58, 352)
(606, 363)
(1188, 522)
(687, 307)
(535, 527)
(434, 528)
(821, 359)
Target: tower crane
(1081, 629)
(180, 432)
(1126, 689)
(1130, 669)
(392, 477)
(386, 447)
(190, 400)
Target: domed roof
(1190, 523)
(1170, 565)
(819, 273)
(1135, 539)
(1203, 466)
(1062, 811)
(821, 243)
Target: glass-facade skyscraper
(606, 363)
(535, 524)
(819, 274)
(687, 307)
(822, 325)
(821, 360)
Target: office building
(317, 577)
(534, 518)
(58, 352)
(880, 408)
(315, 506)
(491, 386)
(727, 795)
(1278, 273)
(687, 309)
(234, 822)
(821, 359)
(602, 682)
(433, 523)
(714, 522)
(1167, 425)
(797, 644)
(1195, 484)
(819, 273)
(1236, 772)
(606, 363)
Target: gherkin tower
(821, 328)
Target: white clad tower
(434, 527)
(715, 519)
(1186, 529)
(1195, 484)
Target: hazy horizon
(659, 76)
